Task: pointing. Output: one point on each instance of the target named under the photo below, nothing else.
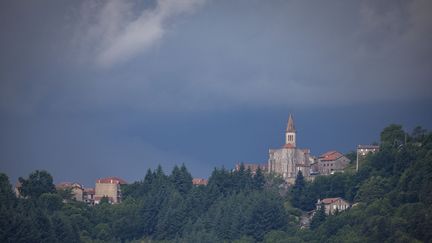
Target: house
(363, 150)
(110, 188)
(331, 162)
(88, 196)
(199, 182)
(331, 205)
(289, 160)
(76, 189)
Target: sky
(98, 88)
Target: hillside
(392, 193)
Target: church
(289, 159)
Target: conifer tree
(298, 191)
(318, 218)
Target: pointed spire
(290, 126)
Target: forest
(391, 196)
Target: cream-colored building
(289, 160)
(76, 189)
(331, 205)
(110, 188)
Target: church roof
(290, 126)
(288, 145)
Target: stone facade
(76, 189)
(332, 162)
(110, 188)
(289, 160)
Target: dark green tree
(393, 135)
(51, 201)
(181, 179)
(7, 197)
(318, 218)
(259, 179)
(297, 192)
(38, 182)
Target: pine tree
(318, 218)
(259, 179)
(298, 191)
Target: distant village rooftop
(112, 180)
(331, 155)
(199, 182)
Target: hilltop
(391, 196)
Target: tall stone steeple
(290, 134)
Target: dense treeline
(392, 192)
(160, 207)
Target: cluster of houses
(109, 188)
(286, 161)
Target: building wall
(326, 167)
(288, 161)
(78, 193)
(111, 190)
(339, 205)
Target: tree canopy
(391, 193)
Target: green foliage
(393, 135)
(66, 194)
(393, 188)
(318, 218)
(392, 191)
(7, 197)
(279, 236)
(38, 182)
(51, 201)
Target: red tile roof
(199, 181)
(330, 156)
(330, 200)
(288, 146)
(112, 180)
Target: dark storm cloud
(117, 87)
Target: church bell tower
(290, 134)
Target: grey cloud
(116, 31)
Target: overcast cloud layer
(129, 84)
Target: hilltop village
(382, 194)
(285, 162)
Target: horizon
(90, 89)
